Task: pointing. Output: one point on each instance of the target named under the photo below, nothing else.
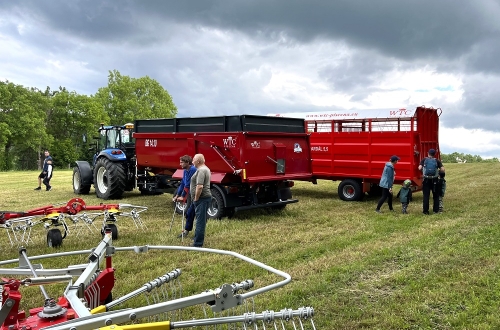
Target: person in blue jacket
(182, 194)
(386, 182)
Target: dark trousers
(385, 195)
(189, 214)
(431, 185)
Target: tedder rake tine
(135, 214)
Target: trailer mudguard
(86, 175)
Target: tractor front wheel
(78, 186)
(109, 179)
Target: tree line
(456, 157)
(32, 120)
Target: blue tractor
(113, 170)
(113, 165)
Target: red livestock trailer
(252, 158)
(353, 146)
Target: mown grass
(358, 269)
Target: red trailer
(353, 146)
(252, 158)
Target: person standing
(386, 182)
(202, 197)
(431, 167)
(182, 193)
(46, 174)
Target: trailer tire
(109, 179)
(54, 238)
(78, 186)
(350, 190)
(216, 207)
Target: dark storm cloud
(405, 29)
(226, 56)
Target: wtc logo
(230, 142)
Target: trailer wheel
(54, 238)
(109, 179)
(350, 190)
(216, 207)
(78, 186)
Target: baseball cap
(394, 158)
(432, 152)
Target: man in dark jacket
(46, 174)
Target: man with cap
(386, 182)
(431, 168)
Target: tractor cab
(116, 137)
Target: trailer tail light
(116, 152)
(290, 183)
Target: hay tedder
(87, 302)
(75, 213)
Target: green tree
(126, 99)
(23, 111)
(70, 117)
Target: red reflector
(291, 183)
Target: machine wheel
(216, 207)
(114, 230)
(350, 190)
(108, 299)
(54, 238)
(109, 179)
(78, 187)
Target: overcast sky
(226, 57)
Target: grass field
(358, 269)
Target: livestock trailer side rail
(353, 146)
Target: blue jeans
(201, 207)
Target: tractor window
(112, 137)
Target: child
(443, 189)
(405, 196)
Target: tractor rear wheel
(54, 238)
(78, 186)
(350, 190)
(109, 179)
